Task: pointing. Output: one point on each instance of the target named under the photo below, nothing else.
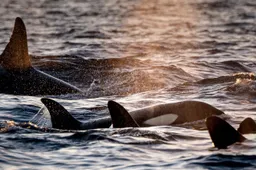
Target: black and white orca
(164, 114)
(18, 75)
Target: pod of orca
(221, 132)
(164, 114)
(20, 78)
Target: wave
(120, 76)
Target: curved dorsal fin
(15, 56)
(120, 117)
(248, 125)
(222, 133)
(60, 117)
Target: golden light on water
(160, 27)
(160, 33)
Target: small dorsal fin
(60, 117)
(222, 133)
(15, 56)
(120, 117)
(248, 125)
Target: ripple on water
(139, 53)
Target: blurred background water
(139, 53)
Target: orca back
(15, 56)
(60, 117)
(247, 126)
(17, 74)
(119, 115)
(222, 133)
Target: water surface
(138, 53)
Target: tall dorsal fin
(248, 125)
(15, 56)
(120, 117)
(222, 133)
(60, 117)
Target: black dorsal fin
(248, 125)
(120, 117)
(15, 56)
(222, 133)
(60, 117)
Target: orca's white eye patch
(166, 119)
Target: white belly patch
(166, 119)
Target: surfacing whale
(62, 119)
(247, 126)
(163, 114)
(224, 135)
(168, 114)
(17, 73)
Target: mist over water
(138, 53)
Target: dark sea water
(138, 53)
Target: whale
(164, 114)
(223, 134)
(62, 119)
(247, 126)
(120, 116)
(19, 77)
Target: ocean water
(138, 53)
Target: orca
(168, 114)
(222, 133)
(120, 117)
(17, 73)
(247, 126)
(62, 119)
